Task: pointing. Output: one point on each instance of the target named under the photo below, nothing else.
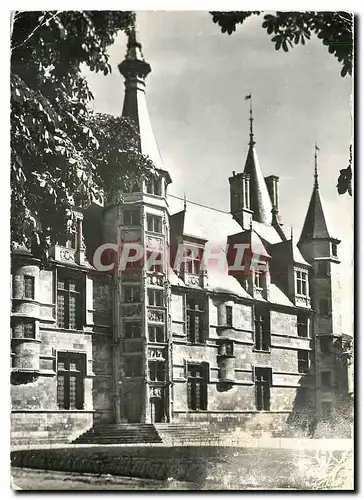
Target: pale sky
(195, 96)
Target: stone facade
(189, 343)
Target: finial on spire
(251, 134)
(316, 173)
(134, 63)
(292, 233)
(184, 202)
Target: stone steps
(120, 434)
(184, 434)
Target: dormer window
(301, 283)
(192, 266)
(154, 186)
(334, 249)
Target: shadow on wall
(307, 421)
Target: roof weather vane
(316, 172)
(249, 97)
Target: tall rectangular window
(262, 329)
(195, 317)
(28, 287)
(132, 217)
(197, 386)
(156, 333)
(155, 297)
(303, 361)
(302, 325)
(263, 378)
(70, 380)
(301, 283)
(154, 186)
(258, 279)
(229, 316)
(132, 293)
(132, 330)
(69, 302)
(157, 371)
(334, 249)
(154, 223)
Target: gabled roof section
(201, 222)
(260, 202)
(252, 239)
(288, 251)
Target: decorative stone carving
(154, 280)
(67, 254)
(155, 315)
(156, 353)
(156, 392)
(193, 280)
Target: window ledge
(262, 351)
(26, 339)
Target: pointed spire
(184, 202)
(260, 201)
(315, 225)
(135, 69)
(292, 233)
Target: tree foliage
(335, 29)
(55, 139)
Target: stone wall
(35, 412)
(237, 399)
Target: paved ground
(32, 479)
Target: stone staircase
(183, 434)
(120, 434)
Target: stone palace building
(201, 346)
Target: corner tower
(319, 247)
(141, 291)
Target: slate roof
(316, 223)
(260, 202)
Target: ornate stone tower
(320, 248)
(141, 292)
